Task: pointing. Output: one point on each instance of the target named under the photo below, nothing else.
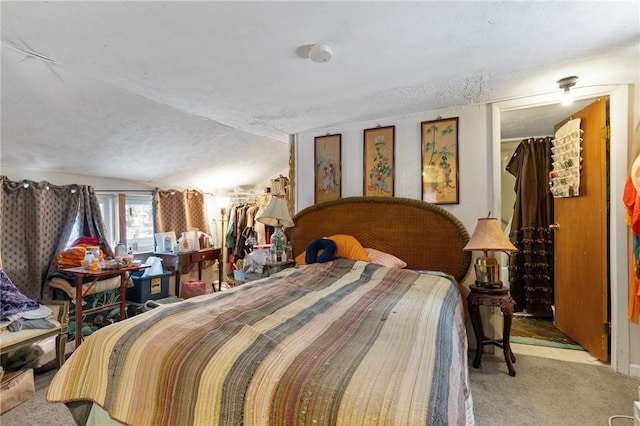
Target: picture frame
(327, 168)
(439, 153)
(379, 161)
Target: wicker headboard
(423, 235)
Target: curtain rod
(115, 191)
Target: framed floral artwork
(440, 161)
(328, 167)
(379, 169)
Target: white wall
(475, 192)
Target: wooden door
(581, 284)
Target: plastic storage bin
(151, 287)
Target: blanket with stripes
(340, 343)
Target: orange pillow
(300, 259)
(347, 246)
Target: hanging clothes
(242, 224)
(631, 200)
(531, 268)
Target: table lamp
(488, 237)
(277, 215)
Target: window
(139, 225)
(108, 209)
(138, 214)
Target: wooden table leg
(509, 357)
(476, 322)
(123, 295)
(78, 309)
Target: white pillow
(384, 259)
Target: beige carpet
(547, 392)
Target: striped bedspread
(340, 343)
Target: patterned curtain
(91, 219)
(178, 211)
(531, 268)
(36, 221)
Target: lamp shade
(276, 214)
(489, 237)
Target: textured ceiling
(205, 94)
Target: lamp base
(481, 284)
(279, 241)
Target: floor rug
(540, 332)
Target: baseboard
(634, 370)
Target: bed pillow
(321, 250)
(385, 259)
(347, 246)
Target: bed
(342, 342)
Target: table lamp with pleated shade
(488, 236)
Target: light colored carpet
(545, 392)
(548, 392)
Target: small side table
(273, 267)
(176, 261)
(496, 297)
(79, 273)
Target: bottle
(289, 252)
(166, 244)
(88, 259)
(102, 264)
(120, 251)
(272, 253)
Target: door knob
(554, 226)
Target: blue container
(151, 287)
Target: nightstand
(272, 267)
(267, 270)
(495, 297)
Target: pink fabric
(384, 259)
(192, 289)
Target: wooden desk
(80, 273)
(496, 297)
(182, 261)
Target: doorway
(537, 327)
(623, 359)
(527, 328)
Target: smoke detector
(320, 53)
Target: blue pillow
(327, 246)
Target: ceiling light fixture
(320, 53)
(567, 83)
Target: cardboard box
(151, 287)
(16, 388)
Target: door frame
(621, 133)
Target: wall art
(379, 161)
(440, 161)
(328, 168)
